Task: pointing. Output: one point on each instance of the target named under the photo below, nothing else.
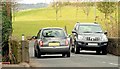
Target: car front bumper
(86, 45)
(58, 49)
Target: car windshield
(90, 29)
(53, 33)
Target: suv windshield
(53, 33)
(90, 29)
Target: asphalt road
(85, 59)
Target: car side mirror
(69, 35)
(105, 32)
(73, 31)
(34, 37)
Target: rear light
(41, 43)
(66, 42)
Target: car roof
(53, 28)
(87, 23)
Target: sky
(34, 1)
(49, 1)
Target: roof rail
(78, 22)
(95, 23)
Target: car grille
(93, 38)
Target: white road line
(103, 62)
(113, 64)
(110, 63)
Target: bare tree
(60, 8)
(77, 9)
(14, 9)
(106, 7)
(57, 5)
(86, 8)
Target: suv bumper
(87, 46)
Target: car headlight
(80, 37)
(104, 38)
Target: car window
(53, 33)
(90, 29)
(75, 27)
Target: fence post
(23, 45)
(25, 50)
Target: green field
(30, 21)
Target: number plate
(54, 44)
(92, 44)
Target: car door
(37, 40)
(75, 34)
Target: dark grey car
(51, 41)
(89, 36)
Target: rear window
(53, 33)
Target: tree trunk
(56, 15)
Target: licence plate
(93, 44)
(54, 44)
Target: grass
(68, 13)
(30, 21)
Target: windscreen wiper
(87, 32)
(49, 36)
(98, 32)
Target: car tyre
(72, 50)
(76, 49)
(39, 54)
(35, 53)
(98, 52)
(63, 55)
(104, 51)
(68, 54)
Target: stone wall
(113, 46)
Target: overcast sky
(34, 1)
(48, 1)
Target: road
(85, 59)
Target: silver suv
(89, 36)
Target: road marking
(113, 64)
(103, 62)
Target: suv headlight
(104, 38)
(80, 37)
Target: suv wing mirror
(73, 31)
(34, 37)
(105, 32)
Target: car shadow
(44, 57)
(89, 53)
(50, 57)
(86, 53)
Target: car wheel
(68, 54)
(76, 49)
(39, 54)
(98, 52)
(72, 50)
(104, 51)
(63, 55)
(35, 53)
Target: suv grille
(92, 38)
